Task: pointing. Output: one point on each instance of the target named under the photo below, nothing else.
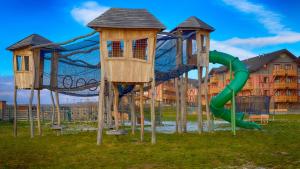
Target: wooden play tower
(28, 66)
(197, 52)
(127, 54)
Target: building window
(19, 62)
(277, 66)
(288, 93)
(288, 80)
(26, 63)
(288, 67)
(277, 93)
(266, 79)
(115, 48)
(140, 49)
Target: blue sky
(244, 28)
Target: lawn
(276, 146)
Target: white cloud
(87, 12)
(270, 20)
(254, 42)
(235, 51)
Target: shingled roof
(126, 18)
(30, 40)
(256, 63)
(195, 23)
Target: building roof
(30, 40)
(126, 18)
(194, 23)
(256, 63)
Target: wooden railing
(214, 79)
(291, 72)
(279, 98)
(214, 90)
(283, 72)
(278, 72)
(248, 86)
(291, 98)
(292, 85)
(279, 85)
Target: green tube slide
(241, 76)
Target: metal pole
(232, 106)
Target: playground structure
(127, 50)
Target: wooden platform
(263, 119)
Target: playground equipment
(240, 78)
(133, 52)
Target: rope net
(78, 64)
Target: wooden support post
(110, 101)
(199, 110)
(153, 128)
(182, 106)
(15, 110)
(53, 108)
(38, 112)
(101, 110)
(177, 105)
(179, 58)
(200, 60)
(186, 81)
(116, 103)
(31, 118)
(142, 110)
(208, 115)
(132, 111)
(57, 108)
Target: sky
(244, 28)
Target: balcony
(248, 86)
(292, 85)
(169, 88)
(214, 90)
(291, 98)
(283, 72)
(278, 72)
(279, 85)
(291, 72)
(214, 79)
(279, 98)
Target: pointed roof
(30, 40)
(126, 18)
(256, 63)
(195, 23)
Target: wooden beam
(200, 70)
(132, 111)
(178, 85)
(142, 110)
(31, 118)
(186, 81)
(15, 110)
(53, 108)
(57, 108)
(101, 110)
(38, 111)
(109, 103)
(116, 103)
(208, 114)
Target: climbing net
(78, 64)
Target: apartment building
(275, 74)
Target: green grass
(276, 146)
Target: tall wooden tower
(127, 53)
